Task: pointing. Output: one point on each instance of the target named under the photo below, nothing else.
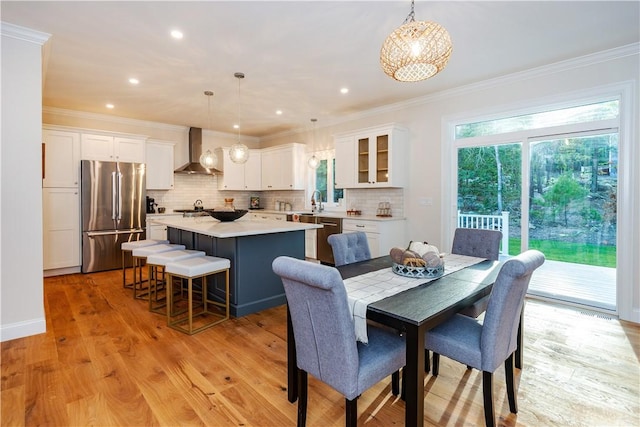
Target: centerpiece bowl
(227, 215)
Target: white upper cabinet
(379, 158)
(159, 159)
(345, 162)
(61, 159)
(112, 148)
(247, 176)
(283, 167)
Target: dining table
(412, 312)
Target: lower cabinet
(381, 235)
(156, 232)
(61, 228)
(310, 248)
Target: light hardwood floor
(106, 361)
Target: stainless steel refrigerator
(113, 211)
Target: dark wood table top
(432, 301)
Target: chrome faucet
(320, 208)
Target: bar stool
(139, 255)
(190, 269)
(127, 248)
(157, 302)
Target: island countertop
(243, 227)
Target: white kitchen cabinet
(345, 162)
(61, 227)
(379, 157)
(310, 246)
(381, 235)
(61, 159)
(283, 167)
(159, 159)
(246, 176)
(112, 148)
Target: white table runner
(376, 285)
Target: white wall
(22, 307)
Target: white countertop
(243, 227)
(331, 214)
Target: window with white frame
(323, 180)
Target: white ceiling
(296, 55)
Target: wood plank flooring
(106, 361)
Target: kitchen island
(251, 246)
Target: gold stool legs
(186, 323)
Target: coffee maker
(151, 205)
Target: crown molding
(111, 119)
(23, 33)
(569, 64)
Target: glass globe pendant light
(313, 161)
(239, 153)
(208, 159)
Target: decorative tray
(418, 272)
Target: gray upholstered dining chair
(478, 243)
(485, 346)
(349, 247)
(325, 340)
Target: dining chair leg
(403, 387)
(395, 383)
(487, 393)
(427, 366)
(302, 398)
(508, 371)
(518, 358)
(352, 412)
(435, 368)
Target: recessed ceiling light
(236, 126)
(177, 34)
(134, 81)
(279, 112)
(344, 90)
(110, 106)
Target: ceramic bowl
(226, 216)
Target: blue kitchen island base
(252, 284)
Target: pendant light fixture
(239, 153)
(313, 161)
(416, 50)
(208, 159)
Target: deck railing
(488, 222)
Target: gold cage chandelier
(416, 50)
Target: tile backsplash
(189, 188)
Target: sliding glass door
(548, 181)
(572, 206)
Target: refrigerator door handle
(114, 232)
(119, 196)
(113, 195)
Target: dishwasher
(329, 226)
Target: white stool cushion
(164, 258)
(197, 266)
(129, 246)
(155, 249)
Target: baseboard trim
(22, 329)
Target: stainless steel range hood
(195, 150)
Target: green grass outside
(603, 256)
